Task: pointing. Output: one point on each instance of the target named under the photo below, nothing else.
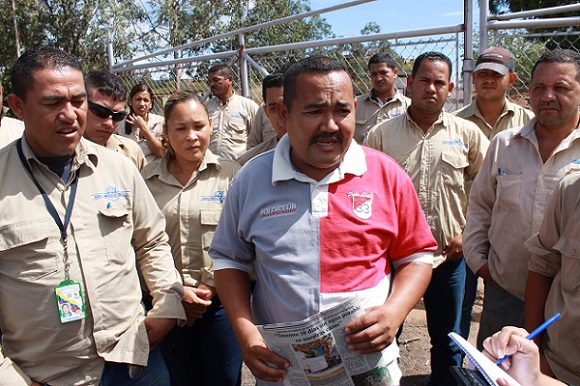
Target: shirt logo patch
(455, 142)
(218, 195)
(111, 193)
(278, 210)
(238, 116)
(362, 204)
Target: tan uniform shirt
(10, 129)
(192, 212)
(155, 125)
(128, 148)
(232, 122)
(508, 201)
(439, 163)
(262, 129)
(369, 113)
(269, 144)
(513, 115)
(115, 230)
(556, 254)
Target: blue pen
(534, 333)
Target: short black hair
(106, 83)
(36, 59)
(274, 80)
(433, 56)
(221, 68)
(560, 55)
(311, 65)
(382, 58)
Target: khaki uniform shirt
(128, 148)
(262, 129)
(261, 148)
(369, 113)
(10, 129)
(513, 115)
(439, 163)
(115, 230)
(556, 254)
(155, 125)
(508, 201)
(192, 212)
(232, 122)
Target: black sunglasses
(105, 112)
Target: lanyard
(51, 209)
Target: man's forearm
(537, 289)
(409, 285)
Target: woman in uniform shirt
(190, 184)
(141, 125)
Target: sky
(393, 15)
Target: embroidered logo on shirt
(218, 195)
(362, 204)
(455, 142)
(278, 210)
(111, 193)
(238, 116)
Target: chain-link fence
(164, 80)
(191, 73)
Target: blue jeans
(443, 300)
(154, 374)
(206, 353)
(468, 301)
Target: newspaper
(318, 354)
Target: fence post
(468, 6)
(483, 11)
(243, 61)
(110, 53)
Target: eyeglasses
(105, 112)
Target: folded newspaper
(318, 354)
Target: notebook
(489, 370)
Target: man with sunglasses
(106, 104)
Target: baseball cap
(496, 59)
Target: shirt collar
(85, 154)
(354, 162)
(473, 109)
(528, 130)
(162, 172)
(443, 119)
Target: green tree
(551, 42)
(80, 27)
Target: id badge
(69, 300)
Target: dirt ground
(414, 345)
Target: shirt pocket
(209, 220)
(27, 250)
(570, 250)
(508, 192)
(453, 171)
(117, 233)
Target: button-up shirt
(556, 254)
(440, 162)
(192, 211)
(262, 129)
(269, 144)
(513, 115)
(370, 113)
(10, 129)
(115, 231)
(155, 124)
(128, 148)
(232, 122)
(508, 202)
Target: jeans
(207, 353)
(500, 308)
(154, 374)
(443, 300)
(468, 301)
